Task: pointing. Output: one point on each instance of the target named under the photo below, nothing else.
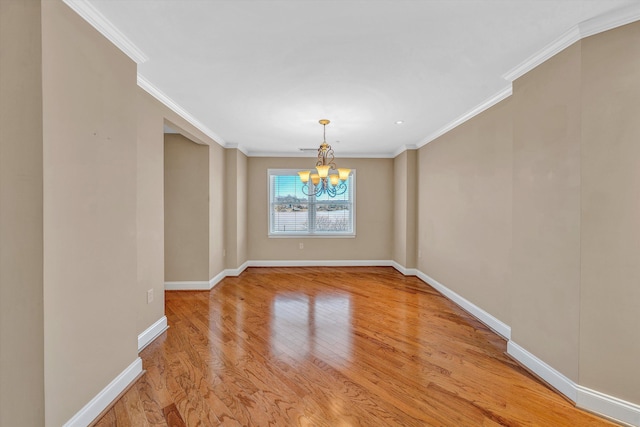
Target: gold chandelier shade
(323, 170)
(304, 176)
(343, 173)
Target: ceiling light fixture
(399, 122)
(317, 184)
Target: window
(292, 213)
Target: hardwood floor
(357, 346)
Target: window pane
(290, 217)
(333, 217)
(289, 206)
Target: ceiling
(260, 74)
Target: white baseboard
(152, 332)
(585, 398)
(609, 406)
(405, 271)
(556, 379)
(102, 400)
(590, 400)
(217, 279)
(205, 286)
(235, 272)
(497, 325)
(321, 263)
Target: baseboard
(152, 332)
(102, 400)
(321, 263)
(187, 286)
(405, 271)
(609, 406)
(497, 325)
(585, 398)
(235, 272)
(216, 279)
(555, 379)
(205, 286)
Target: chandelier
(323, 182)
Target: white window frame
(310, 233)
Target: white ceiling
(260, 74)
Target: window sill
(311, 236)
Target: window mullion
(311, 212)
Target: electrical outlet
(149, 296)
(301, 245)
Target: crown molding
(584, 29)
(315, 155)
(238, 147)
(553, 48)
(98, 21)
(486, 104)
(403, 148)
(608, 21)
(176, 108)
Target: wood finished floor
(355, 346)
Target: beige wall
(150, 211)
(21, 235)
(235, 208)
(610, 213)
(217, 179)
(157, 112)
(89, 169)
(546, 211)
(186, 209)
(374, 214)
(405, 210)
(547, 239)
(465, 199)
(242, 201)
(412, 209)
(152, 115)
(400, 177)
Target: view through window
(292, 213)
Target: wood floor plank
(314, 346)
(173, 417)
(150, 398)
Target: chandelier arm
(331, 159)
(306, 192)
(340, 189)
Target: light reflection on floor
(317, 325)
